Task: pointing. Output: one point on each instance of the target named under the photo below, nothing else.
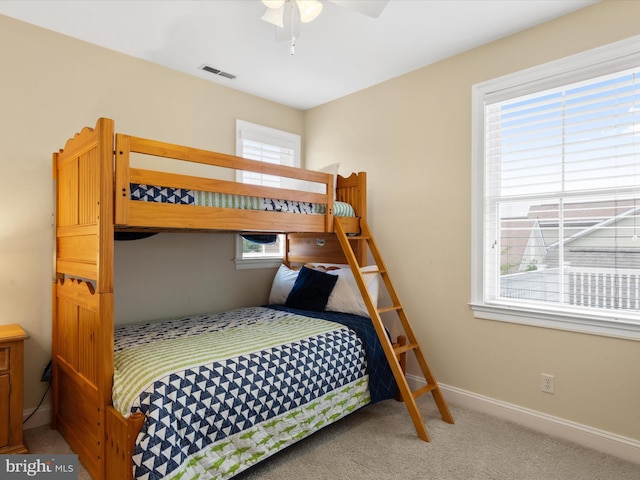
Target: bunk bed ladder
(394, 354)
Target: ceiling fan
(287, 15)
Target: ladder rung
(369, 272)
(389, 309)
(405, 348)
(423, 390)
(358, 237)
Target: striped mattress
(183, 196)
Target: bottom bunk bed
(221, 392)
(211, 395)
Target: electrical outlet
(548, 383)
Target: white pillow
(346, 297)
(282, 285)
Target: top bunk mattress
(184, 196)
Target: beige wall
(50, 87)
(413, 137)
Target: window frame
(262, 134)
(590, 64)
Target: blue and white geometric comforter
(224, 391)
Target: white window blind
(560, 210)
(264, 144)
(269, 153)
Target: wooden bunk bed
(95, 178)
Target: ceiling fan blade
(370, 8)
(274, 16)
(287, 18)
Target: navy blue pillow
(311, 290)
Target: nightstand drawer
(5, 354)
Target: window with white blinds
(557, 195)
(264, 144)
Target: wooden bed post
(353, 190)
(120, 442)
(122, 188)
(82, 343)
(331, 193)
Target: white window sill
(246, 264)
(618, 328)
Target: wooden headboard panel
(353, 190)
(304, 248)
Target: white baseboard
(601, 440)
(41, 417)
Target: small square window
(264, 144)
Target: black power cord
(46, 377)
(39, 404)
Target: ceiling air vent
(215, 71)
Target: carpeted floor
(379, 442)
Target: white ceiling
(340, 52)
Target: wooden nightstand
(11, 376)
